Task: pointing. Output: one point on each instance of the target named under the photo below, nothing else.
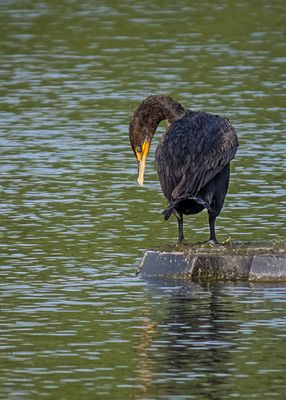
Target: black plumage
(192, 157)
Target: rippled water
(74, 319)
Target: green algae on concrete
(277, 247)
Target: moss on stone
(275, 247)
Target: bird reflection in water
(188, 340)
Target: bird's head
(140, 140)
(144, 123)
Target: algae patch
(275, 247)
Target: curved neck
(156, 108)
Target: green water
(75, 321)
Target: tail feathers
(200, 201)
(169, 210)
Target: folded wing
(195, 148)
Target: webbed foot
(182, 242)
(211, 242)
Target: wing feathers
(195, 148)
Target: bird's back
(194, 149)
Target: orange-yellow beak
(141, 158)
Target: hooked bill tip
(140, 182)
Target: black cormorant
(192, 158)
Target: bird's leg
(212, 219)
(179, 217)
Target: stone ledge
(198, 263)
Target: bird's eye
(138, 149)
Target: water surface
(75, 321)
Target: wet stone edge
(214, 267)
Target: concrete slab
(241, 261)
(268, 268)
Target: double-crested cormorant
(192, 157)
